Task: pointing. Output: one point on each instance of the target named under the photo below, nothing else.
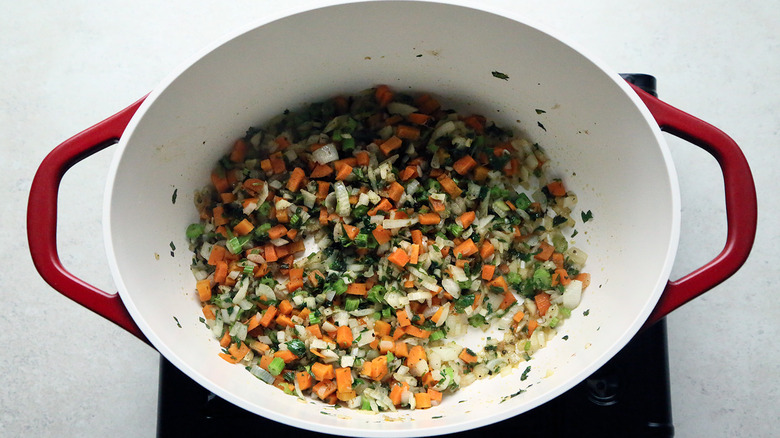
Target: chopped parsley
(499, 75)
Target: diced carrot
(416, 354)
(518, 316)
(218, 214)
(268, 316)
(401, 349)
(542, 302)
(499, 282)
(481, 173)
(217, 254)
(399, 258)
(467, 218)
(509, 299)
(208, 312)
(286, 355)
(557, 258)
(477, 300)
(403, 318)
(254, 322)
(449, 185)
(487, 249)
(315, 331)
(277, 232)
(221, 272)
(545, 251)
(422, 400)
(379, 368)
(282, 142)
(282, 216)
(238, 154)
(285, 307)
(220, 182)
(381, 235)
(344, 336)
(324, 389)
(390, 145)
(344, 172)
(417, 332)
(349, 161)
(407, 132)
(560, 276)
(436, 205)
(556, 188)
(415, 254)
(351, 230)
(384, 205)
(243, 228)
(584, 278)
(278, 164)
(383, 95)
(259, 346)
(395, 191)
(397, 391)
(285, 321)
(417, 237)
(227, 197)
(304, 380)
(321, 171)
(532, 325)
(225, 340)
(235, 353)
(427, 104)
(464, 165)
(436, 316)
(434, 395)
(381, 328)
(488, 271)
(343, 379)
(418, 118)
(429, 218)
(467, 356)
(475, 122)
(357, 289)
(408, 173)
(266, 166)
(204, 289)
(322, 371)
(466, 248)
(269, 253)
(362, 158)
(295, 182)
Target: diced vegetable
(343, 247)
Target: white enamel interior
(599, 135)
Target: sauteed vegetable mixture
(343, 250)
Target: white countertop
(67, 65)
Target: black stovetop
(627, 397)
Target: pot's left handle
(42, 218)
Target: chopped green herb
(499, 75)
(586, 216)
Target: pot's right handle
(42, 218)
(741, 204)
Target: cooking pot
(604, 139)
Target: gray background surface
(66, 65)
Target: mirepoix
(344, 249)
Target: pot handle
(42, 218)
(741, 204)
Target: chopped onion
(572, 294)
(262, 374)
(326, 154)
(401, 109)
(342, 199)
(390, 224)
